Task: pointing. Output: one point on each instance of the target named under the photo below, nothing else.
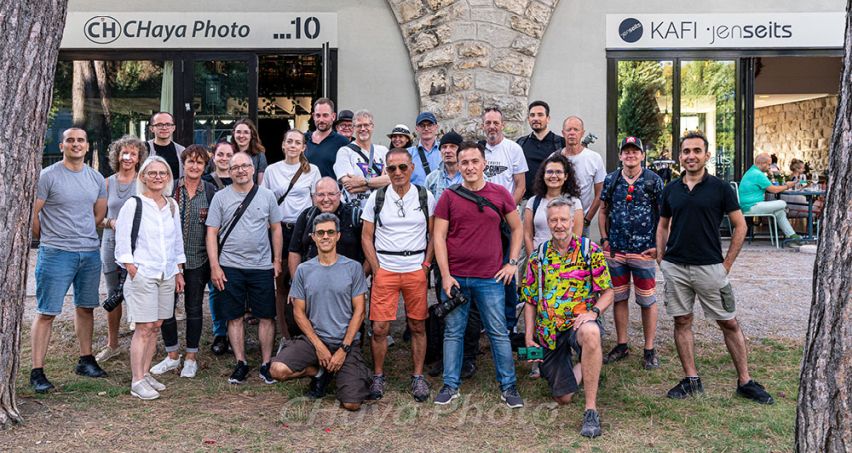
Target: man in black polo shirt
(689, 251)
(540, 143)
(323, 143)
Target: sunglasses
(630, 189)
(324, 233)
(392, 168)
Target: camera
(444, 307)
(530, 353)
(116, 297)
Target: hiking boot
(649, 360)
(685, 388)
(377, 388)
(318, 386)
(619, 352)
(264, 374)
(107, 353)
(241, 371)
(155, 384)
(755, 392)
(591, 424)
(220, 345)
(143, 390)
(468, 370)
(165, 366)
(512, 397)
(419, 388)
(446, 395)
(39, 381)
(87, 366)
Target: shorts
(254, 288)
(558, 367)
(384, 298)
(685, 282)
(353, 378)
(56, 270)
(643, 269)
(149, 299)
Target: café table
(810, 195)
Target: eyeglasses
(327, 194)
(324, 233)
(392, 168)
(401, 206)
(156, 174)
(364, 126)
(554, 172)
(163, 125)
(345, 125)
(630, 189)
(427, 125)
(243, 167)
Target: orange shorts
(384, 296)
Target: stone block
(526, 45)
(527, 26)
(490, 15)
(437, 57)
(491, 82)
(512, 62)
(472, 49)
(495, 35)
(462, 80)
(470, 63)
(411, 10)
(520, 86)
(432, 82)
(514, 6)
(461, 31)
(539, 12)
(438, 4)
(422, 42)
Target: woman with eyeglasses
(555, 178)
(244, 138)
(154, 267)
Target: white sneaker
(190, 367)
(107, 353)
(155, 384)
(166, 365)
(142, 390)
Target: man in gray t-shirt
(328, 304)
(71, 201)
(246, 269)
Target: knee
(279, 371)
(381, 330)
(683, 322)
(351, 406)
(563, 399)
(729, 325)
(418, 327)
(47, 319)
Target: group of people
(294, 244)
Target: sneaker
(512, 397)
(377, 388)
(142, 390)
(468, 370)
(755, 392)
(219, 346)
(446, 395)
(535, 371)
(107, 353)
(318, 386)
(649, 360)
(264, 374)
(39, 381)
(591, 424)
(685, 388)
(419, 388)
(87, 366)
(619, 352)
(166, 365)
(190, 367)
(155, 384)
(241, 371)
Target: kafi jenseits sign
(142, 30)
(725, 31)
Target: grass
(208, 414)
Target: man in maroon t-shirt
(469, 252)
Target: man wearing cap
(630, 209)
(426, 153)
(540, 143)
(323, 142)
(343, 125)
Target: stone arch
(468, 54)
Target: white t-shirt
(590, 170)
(541, 231)
(277, 179)
(349, 162)
(505, 160)
(401, 230)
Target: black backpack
(422, 196)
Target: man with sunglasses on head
(397, 226)
(162, 125)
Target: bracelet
(586, 222)
(604, 239)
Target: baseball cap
(426, 116)
(631, 141)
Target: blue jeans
(56, 270)
(220, 326)
(488, 295)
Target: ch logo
(102, 29)
(630, 30)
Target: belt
(288, 226)
(402, 253)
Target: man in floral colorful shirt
(566, 287)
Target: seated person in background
(752, 191)
(797, 205)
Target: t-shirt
(350, 162)
(349, 244)
(324, 153)
(226, 181)
(474, 245)
(505, 160)
(328, 292)
(248, 245)
(403, 228)
(753, 188)
(67, 219)
(589, 170)
(277, 179)
(535, 152)
(169, 153)
(695, 219)
(633, 223)
(541, 230)
(433, 158)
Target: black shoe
(755, 392)
(87, 366)
(220, 345)
(241, 371)
(619, 352)
(685, 388)
(264, 374)
(318, 386)
(650, 361)
(39, 381)
(591, 424)
(436, 369)
(468, 370)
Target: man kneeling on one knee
(328, 304)
(566, 287)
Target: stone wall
(799, 130)
(471, 54)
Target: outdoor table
(810, 195)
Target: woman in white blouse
(293, 198)
(154, 267)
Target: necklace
(123, 193)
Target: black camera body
(443, 308)
(116, 297)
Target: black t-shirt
(324, 153)
(225, 181)
(349, 244)
(169, 153)
(536, 151)
(695, 219)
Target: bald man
(753, 188)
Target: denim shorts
(56, 270)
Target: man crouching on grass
(566, 287)
(328, 304)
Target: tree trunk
(101, 150)
(824, 418)
(31, 31)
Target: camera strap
(137, 222)
(237, 215)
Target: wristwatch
(514, 262)
(586, 222)
(596, 311)
(346, 347)
(604, 239)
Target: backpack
(422, 196)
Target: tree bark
(824, 418)
(31, 31)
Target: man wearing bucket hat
(426, 154)
(401, 137)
